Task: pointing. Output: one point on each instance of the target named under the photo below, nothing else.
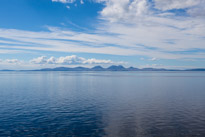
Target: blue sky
(139, 33)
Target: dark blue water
(98, 104)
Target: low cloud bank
(69, 60)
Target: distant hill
(7, 70)
(116, 68)
(199, 69)
(98, 68)
(111, 68)
(64, 69)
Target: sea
(102, 104)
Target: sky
(139, 33)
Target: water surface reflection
(113, 104)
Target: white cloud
(153, 59)
(132, 11)
(14, 64)
(175, 4)
(40, 60)
(51, 60)
(69, 60)
(64, 1)
(81, 2)
(123, 9)
(95, 61)
(198, 11)
(12, 61)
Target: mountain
(132, 69)
(116, 68)
(80, 69)
(98, 68)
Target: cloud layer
(157, 29)
(68, 60)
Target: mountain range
(111, 68)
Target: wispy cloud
(10, 51)
(153, 59)
(64, 1)
(13, 61)
(128, 27)
(175, 4)
(161, 66)
(122, 40)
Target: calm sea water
(98, 104)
